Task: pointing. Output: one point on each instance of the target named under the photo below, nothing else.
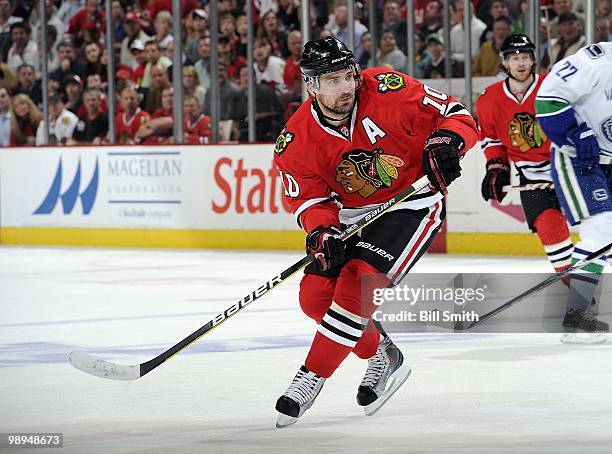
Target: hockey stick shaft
(528, 187)
(102, 368)
(545, 283)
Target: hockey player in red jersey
(510, 132)
(362, 138)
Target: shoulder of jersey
(491, 93)
(386, 82)
(297, 129)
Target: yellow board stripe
(457, 243)
(495, 243)
(157, 238)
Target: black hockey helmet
(325, 56)
(516, 44)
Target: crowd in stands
(77, 59)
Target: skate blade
(584, 338)
(397, 379)
(284, 420)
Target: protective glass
(337, 82)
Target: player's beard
(339, 109)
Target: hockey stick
(528, 187)
(106, 369)
(536, 288)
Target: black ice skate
(385, 374)
(582, 327)
(299, 397)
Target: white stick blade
(101, 368)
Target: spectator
(456, 33)
(227, 27)
(269, 117)
(196, 125)
(433, 17)
(292, 76)
(68, 9)
(393, 22)
(436, 68)
(93, 126)
(228, 91)
(488, 61)
(131, 119)
(192, 86)
(69, 65)
(231, 61)
(163, 26)
(74, 90)
(118, 14)
(199, 20)
(340, 30)
(422, 58)
(202, 65)
(154, 58)
(602, 30)
(270, 28)
(28, 84)
(153, 96)
(366, 45)
(561, 7)
(497, 9)
(241, 31)
(5, 117)
(268, 67)
(87, 25)
(140, 60)
(419, 12)
(133, 33)
(288, 14)
(92, 61)
(24, 122)
(159, 127)
(52, 19)
(569, 42)
(23, 49)
(6, 20)
(7, 76)
(519, 26)
(603, 8)
(53, 62)
(388, 54)
(61, 125)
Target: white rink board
(212, 187)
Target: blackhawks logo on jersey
(365, 172)
(388, 82)
(283, 141)
(525, 132)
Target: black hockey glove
(498, 176)
(328, 249)
(441, 158)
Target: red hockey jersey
(126, 129)
(379, 156)
(197, 132)
(509, 130)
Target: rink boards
(217, 196)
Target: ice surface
(478, 393)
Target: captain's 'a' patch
(283, 141)
(389, 82)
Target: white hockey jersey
(582, 81)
